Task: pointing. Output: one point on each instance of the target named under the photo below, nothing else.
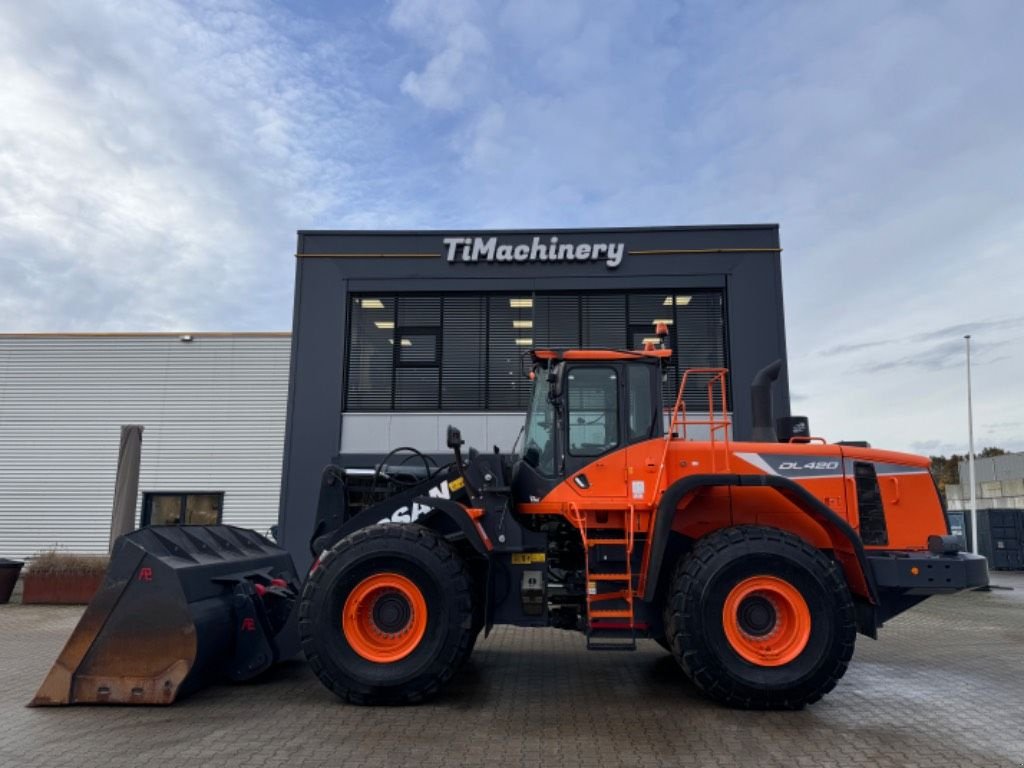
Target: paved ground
(944, 686)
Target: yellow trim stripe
(368, 255)
(145, 334)
(669, 251)
(657, 252)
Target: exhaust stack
(761, 403)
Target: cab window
(538, 445)
(593, 394)
(642, 412)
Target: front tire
(387, 615)
(760, 619)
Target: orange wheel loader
(755, 564)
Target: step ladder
(608, 628)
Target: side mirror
(555, 383)
(454, 437)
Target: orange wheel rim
(384, 618)
(766, 621)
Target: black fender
(437, 509)
(455, 512)
(845, 540)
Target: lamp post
(970, 453)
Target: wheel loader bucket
(180, 607)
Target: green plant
(54, 562)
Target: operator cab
(586, 404)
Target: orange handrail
(717, 419)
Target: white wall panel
(380, 432)
(213, 412)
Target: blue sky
(157, 158)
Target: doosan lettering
(474, 249)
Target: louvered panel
(419, 310)
(464, 353)
(604, 321)
(644, 312)
(416, 389)
(370, 354)
(508, 340)
(556, 321)
(700, 338)
(213, 412)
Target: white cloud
(458, 51)
(156, 160)
(881, 136)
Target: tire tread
(458, 584)
(687, 584)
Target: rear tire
(387, 615)
(759, 619)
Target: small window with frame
(418, 348)
(182, 508)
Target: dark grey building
(397, 334)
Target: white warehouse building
(213, 410)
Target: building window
(164, 508)
(461, 352)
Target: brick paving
(943, 686)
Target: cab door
(644, 419)
(595, 462)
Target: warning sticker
(528, 558)
(456, 484)
(639, 489)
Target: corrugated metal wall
(1009, 466)
(214, 417)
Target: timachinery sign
(488, 249)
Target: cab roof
(597, 355)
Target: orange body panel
(624, 488)
(633, 476)
(912, 507)
(637, 476)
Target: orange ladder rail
(628, 593)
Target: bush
(67, 564)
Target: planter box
(60, 588)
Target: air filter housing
(790, 427)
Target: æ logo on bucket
(487, 249)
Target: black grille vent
(869, 504)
